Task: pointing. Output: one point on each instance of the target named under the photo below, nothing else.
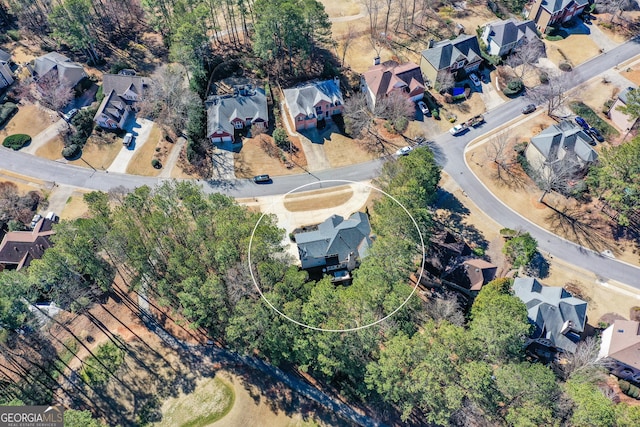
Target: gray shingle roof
(4, 56)
(553, 311)
(303, 99)
(622, 96)
(337, 236)
(69, 73)
(554, 6)
(512, 30)
(221, 110)
(568, 136)
(447, 52)
(114, 86)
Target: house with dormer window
(314, 101)
(461, 54)
(502, 37)
(121, 93)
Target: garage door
(220, 139)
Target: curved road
(450, 154)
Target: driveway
(490, 95)
(45, 136)
(172, 159)
(140, 128)
(316, 157)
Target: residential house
(450, 56)
(6, 75)
(336, 244)
(502, 37)
(232, 113)
(19, 248)
(314, 101)
(121, 93)
(444, 254)
(620, 119)
(547, 13)
(68, 73)
(620, 346)
(561, 148)
(381, 80)
(558, 317)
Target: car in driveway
(475, 80)
(596, 134)
(404, 151)
(127, 140)
(423, 108)
(34, 221)
(262, 179)
(70, 115)
(529, 109)
(582, 122)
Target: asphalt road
(449, 152)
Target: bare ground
(253, 159)
(317, 199)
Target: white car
(404, 151)
(127, 140)
(457, 129)
(423, 108)
(475, 80)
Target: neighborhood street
(449, 152)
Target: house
(121, 92)
(19, 248)
(547, 13)
(335, 244)
(620, 346)
(502, 37)
(444, 253)
(560, 147)
(67, 72)
(470, 275)
(6, 75)
(558, 317)
(381, 80)
(231, 113)
(314, 101)
(620, 119)
(450, 56)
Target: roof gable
(447, 52)
(303, 99)
(567, 136)
(222, 110)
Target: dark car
(261, 179)
(529, 109)
(582, 122)
(597, 135)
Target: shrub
(97, 370)
(514, 87)
(388, 127)
(478, 251)
(544, 78)
(100, 94)
(7, 110)
(624, 385)
(435, 113)
(16, 141)
(400, 124)
(70, 151)
(565, 66)
(156, 163)
(281, 138)
(607, 105)
(633, 391)
(14, 34)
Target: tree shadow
(453, 216)
(574, 224)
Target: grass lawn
(343, 151)
(632, 73)
(210, 401)
(254, 160)
(30, 120)
(318, 199)
(339, 8)
(140, 164)
(75, 207)
(52, 150)
(577, 48)
(98, 153)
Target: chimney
(376, 60)
(431, 43)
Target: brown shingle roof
(383, 78)
(19, 248)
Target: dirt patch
(156, 147)
(260, 155)
(318, 199)
(340, 8)
(75, 207)
(633, 74)
(343, 151)
(30, 119)
(577, 48)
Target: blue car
(582, 122)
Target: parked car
(423, 108)
(36, 218)
(582, 122)
(529, 109)
(51, 216)
(475, 80)
(127, 140)
(404, 151)
(71, 114)
(261, 179)
(596, 134)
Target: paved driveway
(140, 128)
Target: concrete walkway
(141, 130)
(45, 136)
(173, 158)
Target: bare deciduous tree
(347, 39)
(372, 8)
(554, 93)
(445, 307)
(523, 59)
(52, 93)
(585, 357)
(496, 152)
(445, 81)
(557, 176)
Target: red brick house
(547, 13)
(314, 101)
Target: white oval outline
(255, 282)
